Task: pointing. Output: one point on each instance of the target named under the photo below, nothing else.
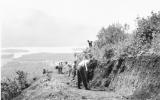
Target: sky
(65, 23)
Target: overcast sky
(50, 23)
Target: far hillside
(14, 50)
(33, 64)
(47, 56)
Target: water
(32, 50)
(45, 49)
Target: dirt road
(60, 87)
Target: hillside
(136, 78)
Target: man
(74, 69)
(89, 43)
(82, 73)
(44, 71)
(69, 67)
(60, 67)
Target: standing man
(69, 68)
(82, 73)
(74, 69)
(60, 67)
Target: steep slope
(136, 78)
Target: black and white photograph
(80, 49)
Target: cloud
(36, 28)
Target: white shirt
(83, 63)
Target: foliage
(141, 80)
(114, 41)
(111, 35)
(148, 29)
(22, 79)
(156, 44)
(108, 39)
(11, 88)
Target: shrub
(22, 79)
(148, 28)
(11, 88)
(147, 33)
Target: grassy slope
(136, 78)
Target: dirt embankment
(135, 78)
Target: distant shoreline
(43, 49)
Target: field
(33, 64)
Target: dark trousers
(82, 77)
(69, 72)
(74, 73)
(60, 70)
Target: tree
(108, 38)
(148, 28)
(111, 35)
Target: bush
(147, 33)
(22, 79)
(148, 28)
(11, 88)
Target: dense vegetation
(128, 62)
(11, 88)
(114, 41)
